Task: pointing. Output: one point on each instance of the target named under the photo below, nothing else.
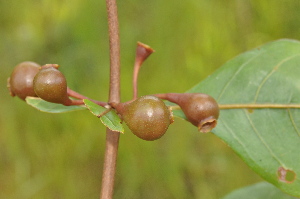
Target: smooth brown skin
(20, 82)
(51, 85)
(147, 117)
(200, 109)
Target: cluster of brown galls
(147, 117)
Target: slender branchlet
(143, 51)
(80, 97)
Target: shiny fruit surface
(201, 109)
(147, 117)
(20, 82)
(51, 85)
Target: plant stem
(76, 95)
(143, 51)
(112, 138)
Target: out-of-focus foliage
(60, 155)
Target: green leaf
(262, 190)
(110, 119)
(49, 107)
(268, 140)
(94, 108)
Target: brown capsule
(147, 117)
(51, 85)
(200, 109)
(20, 83)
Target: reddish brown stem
(74, 94)
(80, 102)
(112, 138)
(142, 53)
(163, 96)
(135, 79)
(79, 96)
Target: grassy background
(60, 155)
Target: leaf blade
(110, 119)
(266, 139)
(49, 107)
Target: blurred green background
(61, 155)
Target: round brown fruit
(20, 82)
(200, 109)
(51, 85)
(147, 117)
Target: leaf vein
(236, 138)
(262, 139)
(293, 122)
(235, 74)
(276, 67)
